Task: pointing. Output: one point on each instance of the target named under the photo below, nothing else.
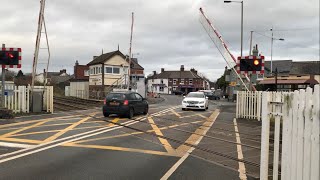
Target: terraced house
(172, 82)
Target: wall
(79, 89)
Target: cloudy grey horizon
(166, 33)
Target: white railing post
(276, 113)
(315, 160)
(307, 135)
(300, 125)
(264, 159)
(294, 135)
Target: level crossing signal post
(9, 58)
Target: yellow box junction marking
(175, 113)
(114, 148)
(166, 144)
(55, 136)
(115, 120)
(194, 139)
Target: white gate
(296, 115)
(17, 98)
(249, 104)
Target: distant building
(79, 84)
(170, 82)
(110, 71)
(291, 75)
(41, 77)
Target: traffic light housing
(9, 57)
(250, 64)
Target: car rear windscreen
(118, 96)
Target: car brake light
(105, 101)
(126, 102)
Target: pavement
(168, 143)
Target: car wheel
(106, 114)
(130, 113)
(207, 107)
(146, 110)
(183, 109)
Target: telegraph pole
(132, 21)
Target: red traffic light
(256, 62)
(11, 56)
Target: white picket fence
(296, 115)
(18, 98)
(249, 104)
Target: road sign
(10, 57)
(250, 65)
(232, 83)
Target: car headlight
(184, 101)
(201, 102)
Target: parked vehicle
(125, 104)
(195, 100)
(177, 92)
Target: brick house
(79, 84)
(169, 82)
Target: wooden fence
(17, 98)
(296, 134)
(249, 105)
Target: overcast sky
(167, 33)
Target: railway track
(73, 103)
(67, 103)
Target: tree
(221, 82)
(20, 74)
(9, 75)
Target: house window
(190, 81)
(182, 81)
(174, 81)
(91, 71)
(161, 81)
(116, 70)
(174, 88)
(108, 70)
(86, 72)
(161, 88)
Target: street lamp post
(280, 39)
(241, 21)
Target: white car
(195, 100)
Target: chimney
(255, 51)
(63, 71)
(77, 63)
(182, 68)
(162, 70)
(154, 72)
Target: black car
(211, 96)
(124, 104)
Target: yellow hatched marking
(202, 115)
(32, 121)
(195, 138)
(21, 140)
(43, 132)
(115, 120)
(135, 133)
(23, 129)
(175, 113)
(166, 144)
(114, 148)
(55, 136)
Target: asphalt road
(168, 143)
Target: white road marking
(15, 145)
(242, 168)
